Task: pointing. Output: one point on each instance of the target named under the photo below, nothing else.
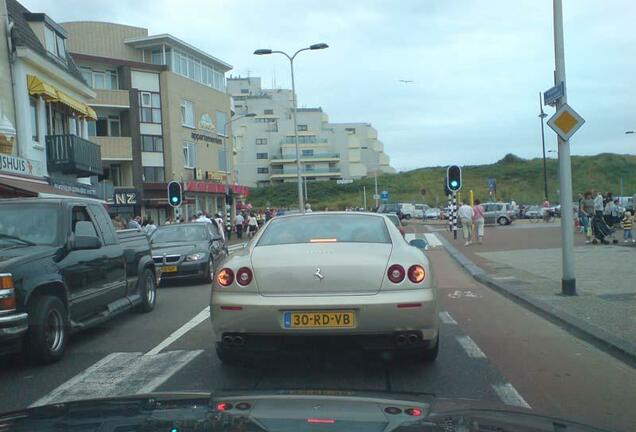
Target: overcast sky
(477, 66)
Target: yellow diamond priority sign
(565, 122)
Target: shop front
(209, 197)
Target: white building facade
(265, 148)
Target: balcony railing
(115, 148)
(280, 171)
(292, 157)
(70, 154)
(112, 98)
(304, 139)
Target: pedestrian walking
(238, 224)
(610, 214)
(150, 227)
(478, 220)
(628, 222)
(465, 214)
(252, 225)
(135, 223)
(587, 212)
(308, 208)
(218, 220)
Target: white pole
(568, 280)
(364, 200)
(301, 204)
(375, 181)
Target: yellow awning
(50, 93)
(90, 113)
(71, 103)
(38, 87)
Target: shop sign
(74, 187)
(206, 130)
(124, 197)
(17, 165)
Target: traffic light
(174, 194)
(454, 178)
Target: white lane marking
(471, 348)
(234, 247)
(509, 395)
(198, 319)
(120, 374)
(447, 318)
(504, 277)
(409, 236)
(432, 240)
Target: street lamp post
(542, 116)
(291, 58)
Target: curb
(600, 338)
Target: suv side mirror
(86, 242)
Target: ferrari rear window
(326, 228)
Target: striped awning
(37, 86)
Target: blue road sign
(550, 96)
(384, 195)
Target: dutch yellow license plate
(319, 319)
(169, 269)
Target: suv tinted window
(105, 225)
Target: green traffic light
(454, 183)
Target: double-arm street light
(291, 58)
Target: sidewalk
(525, 265)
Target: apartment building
(265, 143)
(51, 152)
(162, 114)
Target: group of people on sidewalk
(600, 217)
(472, 220)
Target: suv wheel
(148, 291)
(48, 329)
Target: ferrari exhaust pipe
(413, 339)
(239, 341)
(400, 339)
(228, 340)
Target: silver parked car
(501, 213)
(343, 275)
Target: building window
(221, 119)
(87, 74)
(151, 143)
(101, 127)
(115, 175)
(222, 160)
(262, 170)
(149, 107)
(187, 113)
(268, 112)
(54, 43)
(156, 57)
(189, 154)
(245, 91)
(33, 108)
(190, 67)
(308, 153)
(309, 168)
(350, 130)
(92, 128)
(262, 156)
(114, 129)
(99, 80)
(154, 175)
(261, 141)
(302, 128)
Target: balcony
(111, 98)
(304, 139)
(115, 148)
(70, 154)
(318, 172)
(316, 157)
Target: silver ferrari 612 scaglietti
(330, 276)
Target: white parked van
(407, 209)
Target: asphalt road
(491, 349)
